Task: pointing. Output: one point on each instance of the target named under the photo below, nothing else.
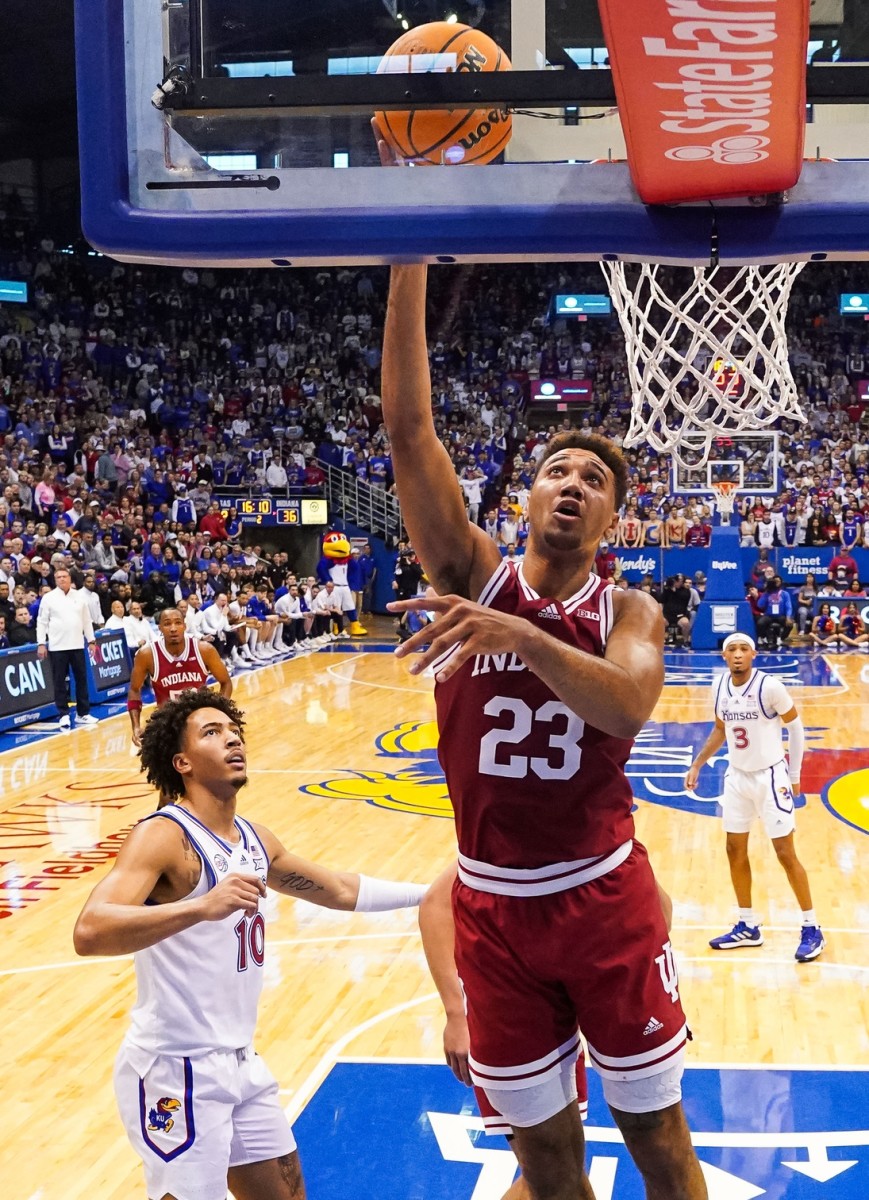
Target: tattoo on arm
(299, 883)
(189, 853)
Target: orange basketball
(450, 136)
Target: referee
(61, 623)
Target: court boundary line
(89, 961)
(96, 960)
(402, 1060)
(312, 1081)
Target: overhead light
(405, 24)
(451, 18)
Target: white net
(725, 499)
(705, 360)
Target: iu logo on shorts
(669, 974)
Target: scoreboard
(277, 510)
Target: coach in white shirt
(62, 624)
(140, 632)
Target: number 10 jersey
(531, 783)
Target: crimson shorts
(534, 969)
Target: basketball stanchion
(732, 315)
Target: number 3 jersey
(198, 990)
(532, 785)
(751, 714)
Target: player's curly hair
(163, 735)
(606, 451)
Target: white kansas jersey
(752, 719)
(198, 990)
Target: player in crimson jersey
(544, 673)
(174, 663)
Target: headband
(737, 637)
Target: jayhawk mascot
(333, 565)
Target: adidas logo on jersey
(550, 612)
(653, 1026)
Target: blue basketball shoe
(740, 935)
(811, 943)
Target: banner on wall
(792, 564)
(26, 689)
(109, 667)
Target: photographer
(405, 584)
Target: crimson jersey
(174, 675)
(532, 784)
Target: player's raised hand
(387, 154)
(236, 892)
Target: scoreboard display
(272, 510)
(727, 377)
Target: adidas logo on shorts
(653, 1026)
(550, 612)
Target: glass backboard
(260, 149)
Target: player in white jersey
(750, 709)
(198, 1104)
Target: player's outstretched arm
(217, 667)
(143, 667)
(115, 919)
(438, 932)
(457, 556)
(303, 880)
(711, 746)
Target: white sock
(809, 917)
(746, 915)
(273, 640)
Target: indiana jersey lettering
(532, 784)
(752, 719)
(198, 990)
(174, 675)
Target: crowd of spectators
(134, 400)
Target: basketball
(462, 136)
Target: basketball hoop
(735, 315)
(725, 499)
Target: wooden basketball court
(343, 770)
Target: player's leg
(552, 1158)
(263, 1159)
(660, 1145)
(794, 869)
(522, 1027)
(740, 867)
(274, 1179)
(625, 986)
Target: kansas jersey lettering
(531, 783)
(174, 675)
(198, 990)
(752, 719)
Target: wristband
(381, 895)
(134, 706)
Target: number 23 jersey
(531, 783)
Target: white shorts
(766, 794)
(345, 597)
(191, 1119)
